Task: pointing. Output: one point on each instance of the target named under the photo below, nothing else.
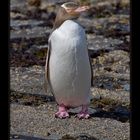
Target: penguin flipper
(91, 71)
(47, 86)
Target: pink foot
(84, 113)
(62, 112)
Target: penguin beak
(77, 10)
(81, 9)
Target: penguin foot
(84, 113)
(62, 113)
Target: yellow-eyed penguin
(68, 68)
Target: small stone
(16, 136)
(126, 87)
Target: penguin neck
(61, 17)
(70, 29)
(60, 22)
(77, 21)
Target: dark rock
(122, 110)
(54, 137)
(101, 43)
(67, 137)
(32, 36)
(98, 45)
(126, 87)
(85, 137)
(19, 24)
(26, 137)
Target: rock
(114, 25)
(19, 24)
(54, 137)
(123, 96)
(17, 16)
(29, 80)
(16, 3)
(111, 70)
(127, 87)
(85, 137)
(40, 35)
(35, 3)
(122, 110)
(98, 43)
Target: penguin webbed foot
(62, 115)
(83, 114)
(62, 112)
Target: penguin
(68, 68)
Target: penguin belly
(69, 66)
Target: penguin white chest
(69, 65)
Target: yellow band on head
(63, 5)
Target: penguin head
(68, 11)
(73, 10)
